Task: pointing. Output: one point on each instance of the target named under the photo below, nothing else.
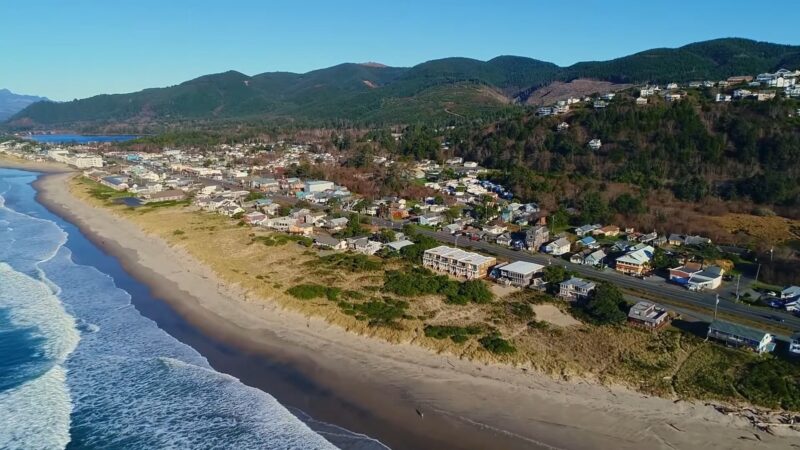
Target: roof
(579, 283)
(324, 239)
(791, 292)
(638, 257)
(646, 311)
(560, 242)
(397, 245)
(522, 267)
(737, 330)
(460, 255)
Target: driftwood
(764, 420)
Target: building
(741, 336)
(165, 196)
(329, 242)
(636, 261)
(575, 289)
(457, 262)
(85, 161)
(595, 259)
(794, 344)
(318, 186)
(641, 101)
(790, 293)
(536, 237)
(595, 144)
(558, 247)
(363, 245)
(116, 183)
(519, 273)
(723, 98)
(647, 315)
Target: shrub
(496, 344)
(420, 281)
(349, 262)
(455, 333)
(604, 307)
(381, 312)
(311, 291)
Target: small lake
(80, 138)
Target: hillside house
(595, 144)
(329, 242)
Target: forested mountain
(696, 148)
(375, 94)
(11, 103)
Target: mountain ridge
(12, 103)
(371, 93)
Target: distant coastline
(504, 404)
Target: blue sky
(78, 48)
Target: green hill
(371, 93)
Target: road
(654, 286)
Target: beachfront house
(741, 336)
(647, 315)
(519, 273)
(536, 236)
(457, 262)
(575, 289)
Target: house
(430, 219)
(673, 97)
(595, 144)
(453, 228)
(170, 195)
(575, 289)
(588, 242)
(794, 344)
(315, 218)
(279, 223)
(318, 186)
(254, 217)
(504, 240)
(265, 184)
(641, 101)
(544, 111)
(599, 104)
(558, 247)
(329, 242)
(708, 278)
(723, 98)
(741, 336)
(647, 315)
(519, 273)
(586, 229)
(363, 245)
(303, 229)
(398, 244)
(457, 262)
(608, 230)
(636, 261)
(563, 126)
(577, 258)
(681, 275)
(335, 224)
(790, 293)
(115, 183)
(536, 236)
(595, 259)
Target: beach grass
(394, 300)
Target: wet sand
(375, 387)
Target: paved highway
(654, 286)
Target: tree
(593, 208)
(555, 274)
(627, 204)
(558, 220)
(662, 260)
(386, 235)
(604, 307)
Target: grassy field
(388, 298)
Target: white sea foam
(35, 415)
(128, 383)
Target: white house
(318, 186)
(575, 289)
(595, 144)
(519, 273)
(558, 247)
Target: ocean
(80, 138)
(82, 368)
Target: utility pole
(716, 304)
(758, 271)
(738, 278)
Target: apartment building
(457, 262)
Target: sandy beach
(465, 404)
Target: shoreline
(466, 404)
